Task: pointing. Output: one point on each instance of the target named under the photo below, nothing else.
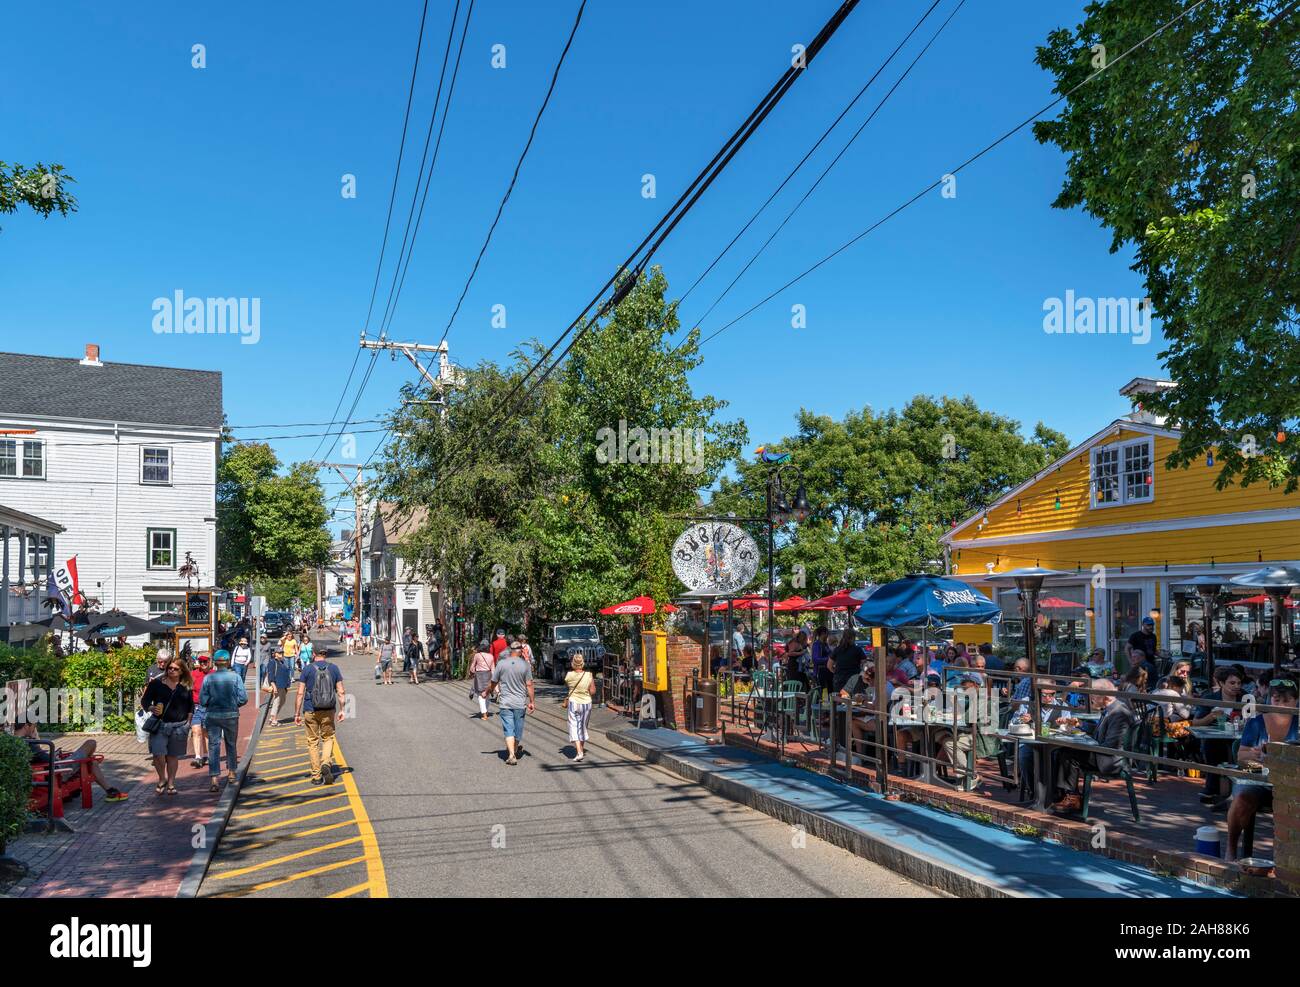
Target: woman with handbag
(169, 699)
(582, 686)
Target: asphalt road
(452, 819)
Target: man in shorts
(513, 678)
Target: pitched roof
(61, 387)
(395, 522)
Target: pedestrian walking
(319, 707)
(170, 700)
(348, 642)
(241, 658)
(582, 686)
(414, 654)
(366, 628)
(198, 732)
(499, 644)
(480, 670)
(386, 661)
(276, 676)
(306, 651)
(222, 696)
(289, 648)
(513, 678)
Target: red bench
(70, 775)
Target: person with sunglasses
(170, 698)
(1248, 797)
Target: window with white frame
(1123, 473)
(162, 548)
(22, 458)
(38, 554)
(156, 465)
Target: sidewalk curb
(216, 824)
(877, 849)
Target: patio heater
(1208, 589)
(1029, 581)
(778, 511)
(1279, 582)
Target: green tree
(1188, 150)
(883, 488)
(269, 524)
(40, 188)
(529, 514)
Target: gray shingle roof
(59, 387)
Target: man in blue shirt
(221, 696)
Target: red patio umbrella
(794, 603)
(836, 601)
(752, 602)
(1056, 603)
(1261, 599)
(638, 606)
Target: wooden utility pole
(358, 493)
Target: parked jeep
(561, 639)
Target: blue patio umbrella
(927, 601)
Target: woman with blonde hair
(582, 686)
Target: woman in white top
(582, 686)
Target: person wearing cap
(222, 695)
(499, 644)
(1144, 640)
(513, 678)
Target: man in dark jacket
(1117, 719)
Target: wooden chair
(70, 776)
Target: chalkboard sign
(198, 609)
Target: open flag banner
(54, 593)
(65, 580)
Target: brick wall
(683, 658)
(1284, 773)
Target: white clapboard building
(123, 457)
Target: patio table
(1213, 733)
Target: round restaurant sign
(717, 556)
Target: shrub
(15, 786)
(125, 669)
(39, 663)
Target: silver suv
(562, 639)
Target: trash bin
(706, 705)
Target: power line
(969, 161)
(669, 221)
(518, 165)
(812, 150)
(392, 196)
(835, 160)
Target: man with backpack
(320, 704)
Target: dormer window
(1123, 473)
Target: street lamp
(1029, 581)
(1279, 582)
(1208, 589)
(779, 511)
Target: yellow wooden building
(1126, 530)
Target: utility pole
(447, 375)
(357, 494)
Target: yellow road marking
(258, 789)
(262, 762)
(349, 892)
(285, 796)
(245, 848)
(293, 877)
(285, 774)
(288, 822)
(289, 805)
(238, 871)
(374, 862)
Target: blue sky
(225, 181)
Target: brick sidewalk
(138, 848)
